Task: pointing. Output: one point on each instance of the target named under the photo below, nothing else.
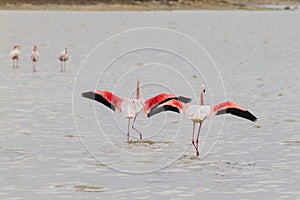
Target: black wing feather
(184, 99)
(162, 109)
(156, 110)
(180, 98)
(98, 98)
(238, 112)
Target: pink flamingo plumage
(34, 57)
(63, 58)
(131, 107)
(15, 54)
(198, 113)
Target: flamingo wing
(172, 105)
(184, 99)
(229, 107)
(105, 97)
(154, 102)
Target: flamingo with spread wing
(131, 107)
(198, 113)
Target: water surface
(44, 156)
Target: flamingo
(131, 107)
(34, 57)
(15, 54)
(198, 113)
(63, 57)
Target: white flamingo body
(35, 56)
(63, 56)
(132, 107)
(15, 54)
(198, 113)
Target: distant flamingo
(15, 54)
(198, 113)
(34, 57)
(131, 107)
(63, 58)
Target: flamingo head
(66, 50)
(34, 48)
(203, 88)
(17, 46)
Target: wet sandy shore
(149, 5)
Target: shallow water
(57, 145)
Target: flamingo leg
(33, 67)
(61, 67)
(197, 139)
(128, 130)
(136, 129)
(193, 142)
(17, 63)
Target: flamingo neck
(138, 89)
(201, 98)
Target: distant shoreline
(148, 5)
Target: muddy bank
(142, 4)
